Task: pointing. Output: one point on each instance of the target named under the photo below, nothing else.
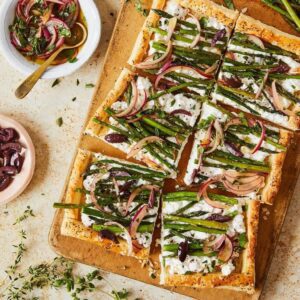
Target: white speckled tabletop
(55, 147)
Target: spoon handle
(27, 85)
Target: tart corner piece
(199, 266)
(243, 154)
(268, 33)
(112, 203)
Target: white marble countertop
(55, 147)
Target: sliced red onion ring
(171, 28)
(219, 137)
(226, 251)
(139, 146)
(217, 243)
(219, 218)
(139, 106)
(234, 121)
(262, 137)
(136, 192)
(152, 198)
(153, 64)
(132, 103)
(257, 95)
(5, 181)
(257, 41)
(277, 101)
(126, 233)
(135, 223)
(198, 36)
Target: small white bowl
(17, 60)
(21, 180)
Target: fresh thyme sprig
(27, 213)
(21, 249)
(58, 274)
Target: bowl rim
(18, 62)
(25, 176)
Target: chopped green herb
(74, 99)
(89, 85)
(72, 60)
(59, 121)
(77, 82)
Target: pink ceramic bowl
(22, 179)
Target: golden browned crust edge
(208, 8)
(142, 43)
(276, 161)
(74, 228)
(268, 33)
(120, 86)
(80, 164)
(72, 225)
(244, 281)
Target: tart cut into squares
(149, 125)
(183, 41)
(113, 203)
(208, 242)
(261, 73)
(239, 154)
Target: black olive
(183, 250)
(107, 234)
(115, 138)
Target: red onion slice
(142, 143)
(198, 36)
(262, 137)
(135, 223)
(136, 192)
(218, 36)
(153, 64)
(255, 40)
(132, 103)
(216, 244)
(126, 233)
(277, 101)
(226, 251)
(257, 95)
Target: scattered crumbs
(244, 10)
(112, 14)
(89, 85)
(59, 121)
(43, 194)
(74, 99)
(124, 268)
(77, 82)
(56, 82)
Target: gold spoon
(27, 85)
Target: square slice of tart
(192, 35)
(261, 73)
(113, 203)
(209, 243)
(240, 154)
(149, 125)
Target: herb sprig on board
(56, 274)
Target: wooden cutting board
(127, 27)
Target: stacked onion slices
(238, 183)
(129, 235)
(40, 27)
(11, 156)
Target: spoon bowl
(27, 85)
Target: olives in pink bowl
(17, 159)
